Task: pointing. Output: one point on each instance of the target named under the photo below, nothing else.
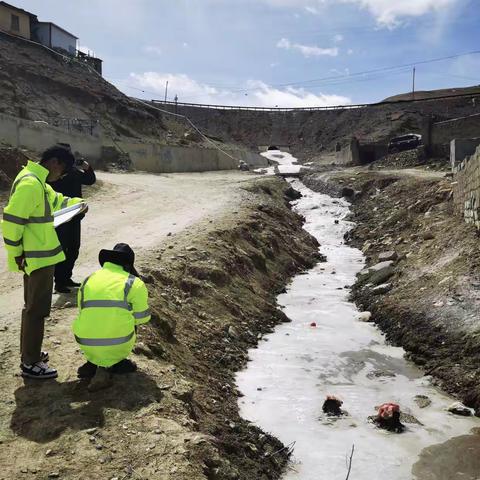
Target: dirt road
(139, 209)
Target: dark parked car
(405, 142)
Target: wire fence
(79, 125)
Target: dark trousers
(69, 235)
(37, 292)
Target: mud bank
(213, 291)
(430, 304)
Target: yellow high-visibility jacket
(27, 224)
(111, 304)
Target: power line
(383, 69)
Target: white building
(53, 36)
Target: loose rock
(459, 408)
(365, 317)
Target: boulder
(381, 289)
(365, 317)
(348, 192)
(332, 406)
(377, 274)
(386, 256)
(422, 401)
(381, 276)
(459, 408)
(366, 247)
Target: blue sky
(265, 52)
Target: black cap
(121, 254)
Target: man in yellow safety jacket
(112, 302)
(33, 248)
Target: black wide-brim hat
(121, 254)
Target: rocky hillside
(37, 84)
(445, 92)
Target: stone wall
(460, 148)
(442, 133)
(466, 189)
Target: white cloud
(388, 13)
(338, 38)
(350, 51)
(154, 49)
(284, 43)
(312, 10)
(185, 45)
(256, 93)
(307, 50)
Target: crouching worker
(112, 302)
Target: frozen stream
(292, 371)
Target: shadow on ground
(45, 410)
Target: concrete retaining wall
(150, 157)
(349, 155)
(157, 158)
(39, 136)
(466, 189)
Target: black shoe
(38, 370)
(87, 370)
(124, 366)
(62, 289)
(71, 283)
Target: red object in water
(387, 409)
(313, 324)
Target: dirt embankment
(429, 299)
(212, 293)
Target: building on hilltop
(53, 36)
(16, 21)
(21, 23)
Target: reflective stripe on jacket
(111, 303)
(27, 224)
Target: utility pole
(413, 90)
(166, 91)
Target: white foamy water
(299, 365)
(285, 162)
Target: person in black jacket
(69, 233)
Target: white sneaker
(38, 370)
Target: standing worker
(33, 248)
(69, 233)
(112, 302)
